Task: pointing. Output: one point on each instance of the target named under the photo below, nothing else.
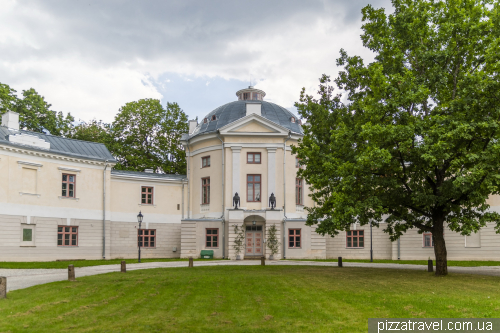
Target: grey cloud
(106, 32)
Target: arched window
(214, 117)
(205, 120)
(293, 119)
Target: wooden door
(253, 243)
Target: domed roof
(233, 111)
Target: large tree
(416, 141)
(147, 136)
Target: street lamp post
(139, 219)
(371, 243)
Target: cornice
(53, 156)
(152, 179)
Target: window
(427, 239)
(214, 117)
(292, 119)
(355, 239)
(212, 239)
(67, 236)
(27, 235)
(205, 120)
(253, 158)
(254, 228)
(253, 188)
(205, 190)
(256, 96)
(293, 237)
(298, 192)
(246, 96)
(297, 162)
(68, 185)
(146, 237)
(205, 161)
(146, 195)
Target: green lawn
(469, 263)
(79, 263)
(246, 299)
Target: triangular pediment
(253, 124)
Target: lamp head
(140, 217)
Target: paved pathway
(24, 278)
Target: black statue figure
(236, 200)
(272, 201)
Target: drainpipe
(223, 206)
(104, 210)
(284, 194)
(187, 177)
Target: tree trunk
(440, 249)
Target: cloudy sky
(91, 57)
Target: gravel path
(24, 278)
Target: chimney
(11, 120)
(254, 108)
(148, 170)
(192, 125)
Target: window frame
(211, 238)
(352, 237)
(147, 235)
(67, 182)
(297, 238)
(253, 188)
(152, 196)
(299, 189)
(204, 187)
(203, 159)
(423, 240)
(70, 232)
(253, 157)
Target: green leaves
(148, 136)
(34, 112)
(417, 143)
(144, 135)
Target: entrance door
(253, 240)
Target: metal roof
(60, 145)
(147, 174)
(233, 111)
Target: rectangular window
(427, 239)
(297, 162)
(212, 239)
(67, 236)
(146, 195)
(27, 235)
(294, 237)
(146, 237)
(205, 161)
(253, 158)
(68, 185)
(298, 192)
(253, 188)
(355, 239)
(205, 190)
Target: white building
(61, 199)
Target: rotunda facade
(242, 176)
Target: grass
(80, 263)
(246, 299)
(462, 263)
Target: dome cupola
(250, 94)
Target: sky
(91, 57)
